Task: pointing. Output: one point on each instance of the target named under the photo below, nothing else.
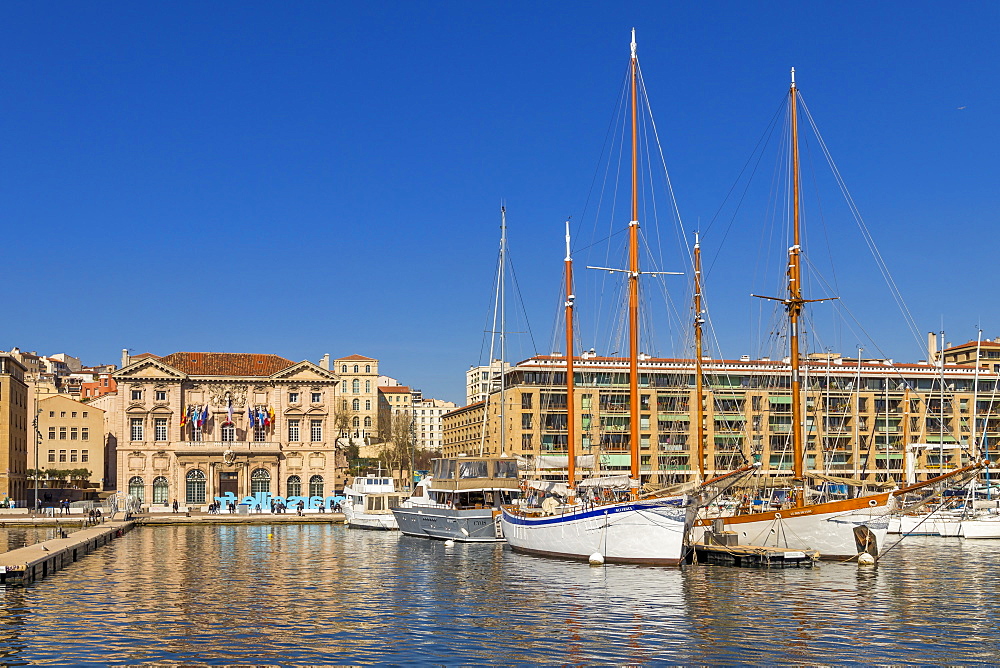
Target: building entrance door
(229, 482)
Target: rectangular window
(160, 429)
(52, 456)
(84, 413)
(316, 430)
(293, 431)
(62, 414)
(526, 400)
(62, 433)
(229, 433)
(259, 434)
(85, 455)
(72, 455)
(52, 413)
(136, 429)
(84, 433)
(196, 434)
(73, 414)
(136, 395)
(52, 433)
(525, 420)
(73, 433)
(62, 455)
(317, 397)
(161, 395)
(293, 397)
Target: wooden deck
(754, 556)
(27, 564)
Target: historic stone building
(193, 426)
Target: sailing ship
(606, 519)
(841, 529)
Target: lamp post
(38, 438)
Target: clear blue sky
(301, 178)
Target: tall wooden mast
(699, 428)
(794, 301)
(570, 412)
(633, 282)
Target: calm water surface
(12, 538)
(324, 594)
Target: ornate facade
(194, 426)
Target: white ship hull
(632, 533)
(829, 528)
(976, 529)
(467, 525)
(355, 516)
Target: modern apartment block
(15, 425)
(866, 419)
(481, 380)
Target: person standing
(176, 506)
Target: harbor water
(324, 594)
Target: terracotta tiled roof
(355, 358)
(142, 356)
(227, 364)
(393, 389)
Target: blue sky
(302, 178)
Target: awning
(890, 456)
(726, 395)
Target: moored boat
(369, 502)
(463, 499)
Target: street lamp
(38, 438)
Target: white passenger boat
(461, 500)
(369, 503)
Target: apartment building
(868, 419)
(14, 429)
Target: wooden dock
(27, 564)
(754, 556)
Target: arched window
(161, 490)
(368, 368)
(355, 368)
(260, 481)
(137, 488)
(368, 421)
(294, 486)
(356, 404)
(357, 422)
(195, 487)
(343, 368)
(316, 485)
(356, 386)
(368, 386)
(343, 386)
(368, 404)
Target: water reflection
(324, 594)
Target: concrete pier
(27, 564)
